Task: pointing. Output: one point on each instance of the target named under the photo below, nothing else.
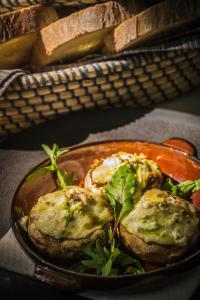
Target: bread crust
(101, 17)
(152, 22)
(25, 21)
(88, 20)
(153, 252)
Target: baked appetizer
(63, 221)
(121, 218)
(148, 173)
(161, 227)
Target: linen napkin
(15, 164)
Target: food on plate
(18, 33)
(79, 34)
(60, 223)
(148, 173)
(156, 21)
(161, 227)
(128, 214)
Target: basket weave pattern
(9, 5)
(140, 80)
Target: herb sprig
(64, 178)
(183, 189)
(107, 261)
(119, 191)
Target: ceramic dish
(176, 159)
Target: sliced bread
(79, 34)
(153, 22)
(18, 32)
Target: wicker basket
(133, 78)
(139, 80)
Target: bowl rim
(39, 260)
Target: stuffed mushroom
(148, 173)
(63, 221)
(160, 228)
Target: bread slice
(153, 22)
(18, 32)
(79, 34)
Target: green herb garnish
(120, 191)
(64, 178)
(110, 260)
(183, 189)
(36, 173)
(107, 261)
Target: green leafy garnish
(37, 173)
(108, 260)
(183, 189)
(64, 178)
(54, 154)
(120, 191)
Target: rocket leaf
(183, 189)
(120, 191)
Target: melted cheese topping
(73, 213)
(147, 171)
(160, 218)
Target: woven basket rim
(138, 80)
(147, 54)
(87, 70)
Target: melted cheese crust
(72, 213)
(147, 171)
(160, 218)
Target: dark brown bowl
(175, 158)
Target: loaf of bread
(79, 34)
(153, 22)
(18, 32)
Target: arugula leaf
(183, 189)
(61, 152)
(106, 270)
(132, 265)
(120, 191)
(96, 258)
(120, 188)
(108, 260)
(50, 168)
(111, 254)
(64, 178)
(69, 178)
(37, 173)
(54, 154)
(189, 186)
